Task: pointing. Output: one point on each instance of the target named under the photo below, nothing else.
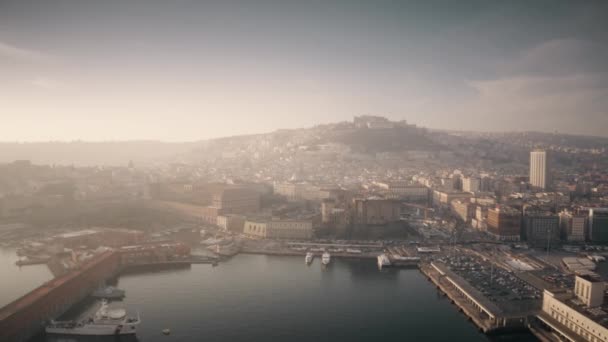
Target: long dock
(246, 250)
(26, 316)
(486, 315)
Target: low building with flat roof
(279, 228)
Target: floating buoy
(166, 331)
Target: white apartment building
(539, 169)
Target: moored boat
(105, 322)
(383, 261)
(326, 258)
(309, 258)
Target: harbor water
(271, 298)
(15, 281)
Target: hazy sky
(186, 70)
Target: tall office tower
(598, 225)
(539, 169)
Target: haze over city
(191, 70)
(323, 170)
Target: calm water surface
(16, 281)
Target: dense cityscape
(511, 227)
(336, 170)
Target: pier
(302, 253)
(26, 316)
(486, 315)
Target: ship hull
(113, 296)
(92, 330)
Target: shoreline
(302, 254)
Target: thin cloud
(560, 57)
(47, 83)
(535, 86)
(575, 104)
(558, 85)
(8, 51)
(556, 67)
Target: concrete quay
(26, 316)
(248, 250)
(163, 265)
(488, 317)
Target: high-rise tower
(540, 177)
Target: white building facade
(539, 169)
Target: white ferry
(309, 258)
(326, 258)
(105, 322)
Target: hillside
(345, 135)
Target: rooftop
(506, 210)
(598, 314)
(77, 233)
(472, 291)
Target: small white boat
(383, 261)
(326, 258)
(309, 258)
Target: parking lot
(497, 284)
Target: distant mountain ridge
(93, 153)
(397, 137)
